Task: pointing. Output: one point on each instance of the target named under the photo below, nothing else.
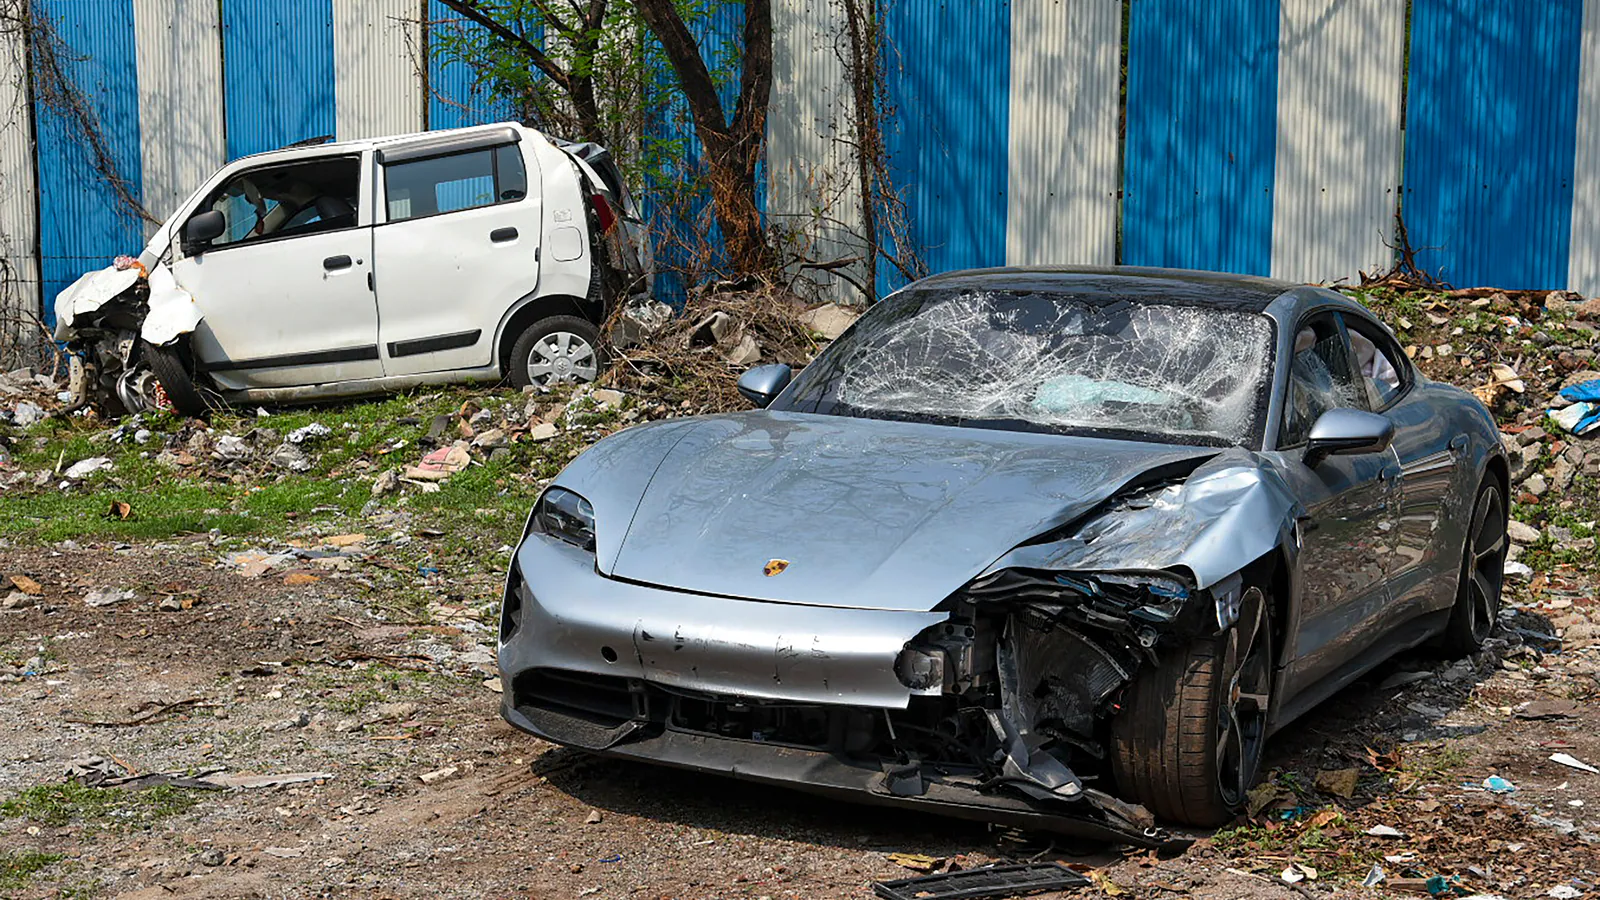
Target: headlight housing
(563, 514)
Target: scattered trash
(442, 463)
(27, 413)
(120, 510)
(1292, 875)
(594, 817)
(983, 883)
(252, 782)
(83, 468)
(494, 684)
(1385, 831)
(231, 448)
(308, 433)
(1564, 892)
(1567, 759)
(1375, 876)
(438, 775)
(23, 583)
(916, 862)
(107, 597)
(291, 457)
(1494, 784)
(1583, 414)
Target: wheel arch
(528, 311)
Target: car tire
(173, 373)
(556, 350)
(1173, 748)
(1483, 562)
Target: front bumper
(608, 666)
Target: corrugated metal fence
(1265, 136)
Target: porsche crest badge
(775, 567)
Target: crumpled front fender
(91, 291)
(173, 311)
(1230, 511)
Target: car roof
(292, 151)
(1243, 293)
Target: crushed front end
(995, 705)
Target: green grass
(72, 803)
(18, 868)
(255, 500)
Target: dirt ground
(431, 795)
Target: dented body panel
(935, 614)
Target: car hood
(864, 513)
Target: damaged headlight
(565, 515)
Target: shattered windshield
(1038, 361)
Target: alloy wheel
(1246, 696)
(562, 357)
(1486, 565)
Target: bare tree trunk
(863, 34)
(732, 150)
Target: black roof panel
(1188, 287)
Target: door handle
(501, 235)
(334, 263)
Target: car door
(1427, 459)
(460, 245)
(284, 290)
(1347, 536)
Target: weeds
(18, 868)
(61, 804)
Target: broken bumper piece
(822, 699)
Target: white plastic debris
(309, 432)
(1567, 759)
(83, 468)
(1564, 892)
(1384, 831)
(27, 413)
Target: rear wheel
(1188, 741)
(556, 350)
(173, 373)
(1483, 565)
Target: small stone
(606, 398)
(83, 468)
(107, 596)
(544, 431)
(170, 604)
(17, 600)
(594, 817)
(1522, 532)
(385, 483)
(829, 320)
(1536, 485)
(1518, 571)
(212, 857)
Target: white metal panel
(1062, 195)
(180, 99)
(813, 187)
(1583, 266)
(1338, 155)
(19, 227)
(378, 68)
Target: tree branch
(683, 51)
(535, 53)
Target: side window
(441, 184)
(284, 200)
(1378, 364)
(1320, 378)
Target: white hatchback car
(362, 267)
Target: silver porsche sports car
(1057, 548)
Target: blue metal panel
(455, 97)
(686, 240)
(948, 73)
(1201, 134)
(1491, 133)
(82, 221)
(277, 70)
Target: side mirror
(1340, 432)
(763, 384)
(202, 229)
